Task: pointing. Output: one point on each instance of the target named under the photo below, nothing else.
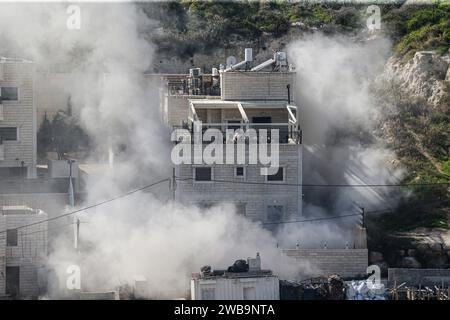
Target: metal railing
(288, 133)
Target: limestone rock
(423, 76)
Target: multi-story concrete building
(17, 119)
(249, 99)
(23, 251)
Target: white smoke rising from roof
(339, 114)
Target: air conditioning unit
(281, 58)
(194, 72)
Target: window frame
(244, 173)
(277, 181)
(194, 174)
(283, 212)
(17, 133)
(18, 94)
(15, 239)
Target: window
(8, 134)
(239, 172)
(208, 294)
(12, 281)
(274, 213)
(249, 293)
(11, 237)
(279, 176)
(203, 174)
(10, 94)
(241, 209)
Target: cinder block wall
(2, 256)
(344, 262)
(29, 254)
(21, 114)
(176, 108)
(255, 197)
(419, 276)
(256, 85)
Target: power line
(326, 185)
(315, 219)
(92, 206)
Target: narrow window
(279, 176)
(11, 237)
(274, 213)
(203, 174)
(239, 172)
(10, 93)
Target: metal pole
(174, 184)
(363, 217)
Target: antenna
(231, 61)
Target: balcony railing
(288, 133)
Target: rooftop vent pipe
(246, 63)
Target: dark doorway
(12, 281)
(257, 127)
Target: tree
(63, 134)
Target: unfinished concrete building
(17, 119)
(234, 99)
(23, 251)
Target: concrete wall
(260, 288)
(176, 108)
(29, 254)
(419, 276)
(256, 85)
(344, 262)
(255, 197)
(20, 114)
(61, 169)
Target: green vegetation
(426, 28)
(61, 135)
(192, 26)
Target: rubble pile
(365, 290)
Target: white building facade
(23, 251)
(18, 142)
(248, 100)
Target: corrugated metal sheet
(259, 288)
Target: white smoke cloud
(339, 114)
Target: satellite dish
(231, 61)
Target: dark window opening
(11, 237)
(12, 281)
(241, 209)
(279, 176)
(8, 134)
(10, 94)
(274, 213)
(239, 171)
(203, 174)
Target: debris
(365, 290)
